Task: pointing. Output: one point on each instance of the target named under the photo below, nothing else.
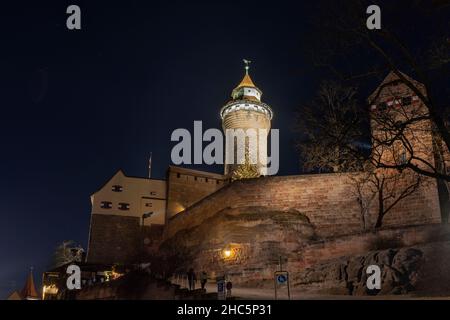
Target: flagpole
(150, 166)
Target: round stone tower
(246, 157)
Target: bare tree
(67, 252)
(364, 198)
(331, 130)
(343, 35)
(387, 188)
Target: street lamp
(227, 253)
(145, 216)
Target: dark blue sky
(78, 105)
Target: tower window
(117, 188)
(124, 206)
(382, 106)
(106, 204)
(206, 179)
(178, 175)
(406, 101)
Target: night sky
(78, 105)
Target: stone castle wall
(113, 239)
(121, 239)
(328, 200)
(186, 187)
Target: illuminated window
(117, 188)
(124, 206)
(106, 204)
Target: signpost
(281, 281)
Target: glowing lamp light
(227, 253)
(112, 275)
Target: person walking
(229, 287)
(192, 279)
(203, 279)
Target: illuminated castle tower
(246, 111)
(394, 102)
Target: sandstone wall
(358, 244)
(113, 239)
(186, 187)
(328, 200)
(120, 239)
(256, 262)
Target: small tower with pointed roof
(246, 111)
(29, 291)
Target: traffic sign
(281, 279)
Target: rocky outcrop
(399, 273)
(257, 236)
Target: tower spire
(246, 81)
(29, 291)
